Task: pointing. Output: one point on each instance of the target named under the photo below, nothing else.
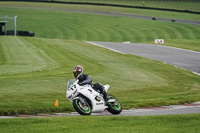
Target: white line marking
(104, 47)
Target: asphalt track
(182, 58)
(163, 110)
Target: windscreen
(70, 83)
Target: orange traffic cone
(56, 103)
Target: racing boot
(105, 96)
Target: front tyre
(81, 108)
(114, 107)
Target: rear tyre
(81, 108)
(114, 107)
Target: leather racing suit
(86, 79)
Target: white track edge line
(104, 47)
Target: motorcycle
(87, 100)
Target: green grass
(74, 124)
(194, 6)
(16, 62)
(63, 7)
(34, 71)
(169, 4)
(81, 26)
(135, 81)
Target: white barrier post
(15, 22)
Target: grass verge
(109, 124)
(74, 7)
(34, 71)
(135, 81)
(93, 27)
(168, 4)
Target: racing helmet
(77, 71)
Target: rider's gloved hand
(81, 83)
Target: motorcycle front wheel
(81, 108)
(114, 107)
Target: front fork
(82, 100)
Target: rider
(86, 79)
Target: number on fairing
(73, 87)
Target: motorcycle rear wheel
(80, 108)
(114, 107)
